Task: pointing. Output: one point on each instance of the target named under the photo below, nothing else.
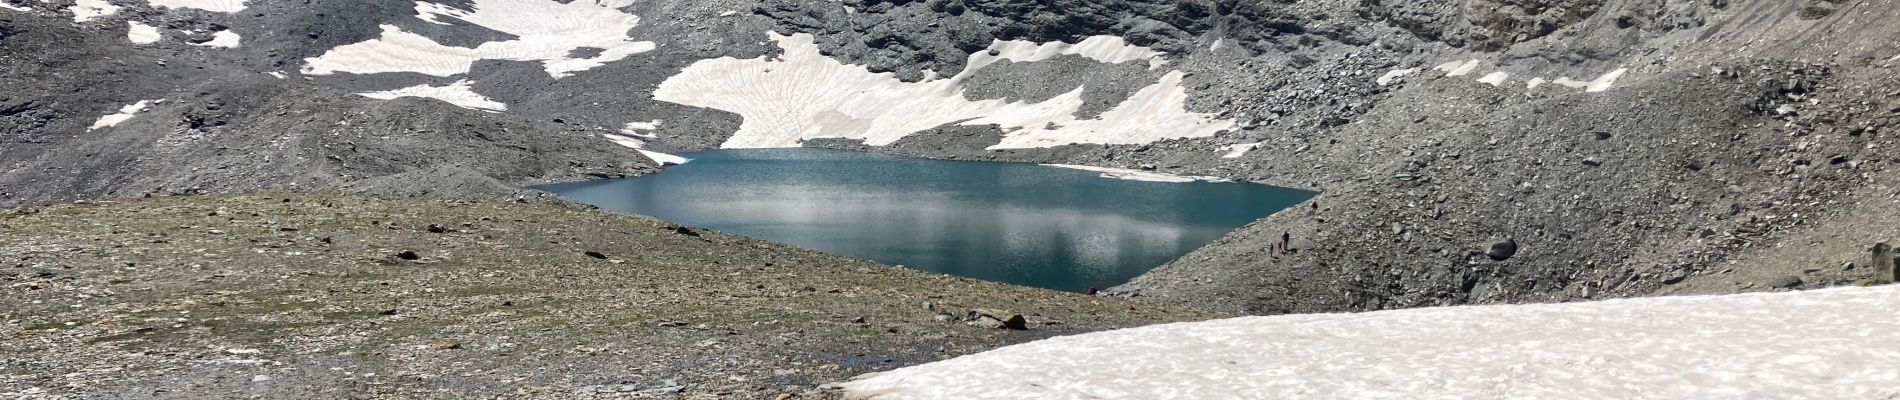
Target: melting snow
(1105, 49)
(1455, 68)
(87, 10)
(1602, 83)
(642, 126)
(125, 114)
(660, 158)
(1137, 175)
(804, 95)
(459, 93)
(1395, 74)
(1237, 150)
(1494, 78)
(225, 39)
(635, 128)
(547, 31)
(1822, 344)
(223, 6)
(140, 33)
(665, 159)
(1498, 78)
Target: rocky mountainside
(1466, 151)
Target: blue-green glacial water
(1017, 223)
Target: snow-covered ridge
(1823, 344)
(803, 94)
(547, 31)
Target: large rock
(1502, 250)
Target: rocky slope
(341, 296)
(1467, 151)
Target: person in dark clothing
(1286, 239)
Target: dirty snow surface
(547, 31)
(1823, 344)
(803, 94)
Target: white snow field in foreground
(803, 94)
(1824, 344)
(547, 31)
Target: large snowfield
(1823, 344)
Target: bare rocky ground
(341, 296)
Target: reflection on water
(1017, 223)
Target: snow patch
(547, 31)
(1494, 78)
(9, 6)
(1237, 150)
(140, 33)
(1395, 74)
(802, 94)
(1456, 68)
(637, 128)
(1105, 49)
(125, 114)
(1535, 82)
(642, 126)
(460, 93)
(1137, 175)
(1821, 344)
(1602, 83)
(224, 39)
(661, 158)
(223, 6)
(665, 159)
(87, 10)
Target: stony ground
(335, 296)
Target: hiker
(1286, 239)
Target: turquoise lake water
(1024, 224)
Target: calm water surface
(1018, 223)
